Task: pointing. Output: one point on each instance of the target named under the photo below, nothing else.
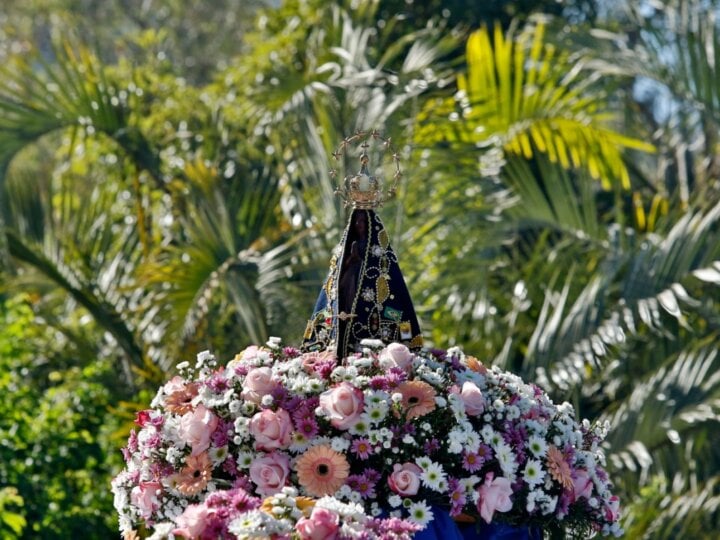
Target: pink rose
(250, 353)
(176, 384)
(397, 355)
(612, 509)
(196, 427)
(191, 523)
(343, 405)
(473, 399)
(270, 473)
(494, 497)
(405, 479)
(258, 383)
(582, 484)
(271, 429)
(323, 524)
(146, 498)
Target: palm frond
(523, 95)
(652, 284)
(74, 92)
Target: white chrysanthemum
(423, 462)
(512, 412)
(457, 405)
(170, 431)
(242, 426)
(362, 426)
(315, 386)
(409, 439)
(548, 505)
(299, 443)
(433, 378)
(472, 441)
(488, 434)
(533, 473)
(394, 501)
(533, 426)
(339, 444)
(433, 476)
(218, 455)
(456, 440)
(420, 513)
(245, 459)
(255, 524)
(376, 397)
(376, 412)
(344, 492)
(532, 500)
(506, 458)
(537, 446)
(235, 406)
(248, 408)
(372, 343)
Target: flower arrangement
(290, 445)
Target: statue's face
(361, 225)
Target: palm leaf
(525, 96)
(74, 92)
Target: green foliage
(53, 453)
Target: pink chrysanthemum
(472, 462)
(361, 448)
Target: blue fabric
(442, 527)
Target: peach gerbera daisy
(193, 478)
(474, 364)
(559, 468)
(322, 470)
(418, 398)
(180, 401)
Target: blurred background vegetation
(164, 189)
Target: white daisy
(537, 446)
(433, 477)
(420, 513)
(533, 473)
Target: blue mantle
(444, 528)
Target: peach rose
(196, 427)
(405, 479)
(397, 355)
(270, 473)
(145, 497)
(343, 405)
(494, 497)
(271, 429)
(323, 524)
(258, 383)
(473, 399)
